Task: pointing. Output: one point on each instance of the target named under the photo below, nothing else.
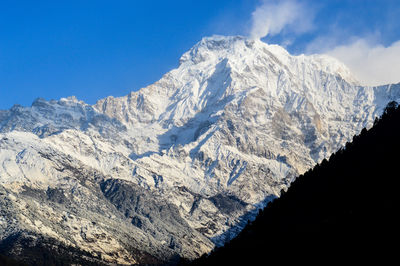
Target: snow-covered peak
(236, 48)
(71, 100)
(219, 47)
(45, 118)
(332, 65)
(217, 137)
(226, 80)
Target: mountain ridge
(215, 139)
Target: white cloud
(371, 64)
(273, 16)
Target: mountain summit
(181, 165)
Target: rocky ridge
(181, 165)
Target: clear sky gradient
(92, 49)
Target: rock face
(179, 166)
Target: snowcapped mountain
(181, 165)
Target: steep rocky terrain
(342, 210)
(180, 166)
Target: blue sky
(92, 49)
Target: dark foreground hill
(345, 209)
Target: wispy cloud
(273, 16)
(372, 64)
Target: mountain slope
(343, 209)
(181, 165)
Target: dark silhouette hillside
(344, 209)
